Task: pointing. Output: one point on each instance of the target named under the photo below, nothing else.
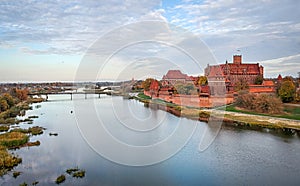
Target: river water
(236, 156)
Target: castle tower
(237, 59)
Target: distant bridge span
(69, 93)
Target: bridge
(69, 93)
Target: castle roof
(175, 74)
(268, 83)
(215, 71)
(241, 68)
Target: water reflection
(235, 157)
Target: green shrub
(60, 179)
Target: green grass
(13, 139)
(143, 96)
(290, 112)
(32, 130)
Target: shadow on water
(284, 133)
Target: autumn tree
(186, 89)
(202, 80)
(297, 97)
(245, 100)
(22, 94)
(146, 84)
(258, 80)
(8, 98)
(242, 84)
(287, 90)
(3, 105)
(268, 104)
(261, 103)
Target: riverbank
(15, 138)
(229, 118)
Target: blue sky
(47, 40)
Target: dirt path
(261, 120)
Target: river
(236, 156)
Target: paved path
(292, 104)
(290, 123)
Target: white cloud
(65, 24)
(243, 24)
(285, 66)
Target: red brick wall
(194, 100)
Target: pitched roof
(241, 68)
(268, 83)
(215, 71)
(279, 77)
(175, 74)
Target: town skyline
(46, 41)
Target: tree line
(13, 97)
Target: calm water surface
(236, 157)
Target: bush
(246, 100)
(262, 103)
(268, 104)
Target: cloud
(61, 25)
(261, 29)
(228, 25)
(285, 66)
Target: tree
(262, 103)
(8, 98)
(146, 84)
(242, 84)
(258, 80)
(20, 94)
(3, 105)
(186, 89)
(268, 104)
(202, 80)
(287, 91)
(245, 100)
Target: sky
(55, 40)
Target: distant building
(176, 76)
(232, 73)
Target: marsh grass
(60, 179)
(70, 171)
(4, 128)
(16, 174)
(31, 130)
(7, 160)
(79, 174)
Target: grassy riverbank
(15, 138)
(240, 118)
(290, 112)
(10, 140)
